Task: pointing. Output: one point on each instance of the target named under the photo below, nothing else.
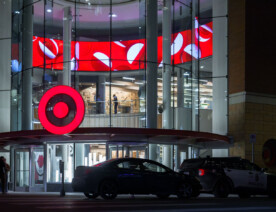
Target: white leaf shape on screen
(201, 39)
(119, 44)
(77, 49)
(74, 64)
(103, 58)
(177, 44)
(134, 51)
(193, 50)
(47, 51)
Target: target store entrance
(29, 168)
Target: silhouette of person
(4, 169)
(98, 104)
(115, 100)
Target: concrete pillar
(5, 61)
(220, 86)
(151, 87)
(52, 166)
(79, 154)
(151, 73)
(176, 161)
(167, 68)
(167, 156)
(195, 70)
(27, 63)
(67, 34)
(180, 116)
(65, 153)
(101, 93)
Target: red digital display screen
(125, 55)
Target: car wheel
(185, 191)
(163, 196)
(222, 189)
(91, 195)
(196, 192)
(108, 190)
(243, 195)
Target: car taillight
(201, 172)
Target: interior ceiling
(95, 14)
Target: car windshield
(103, 163)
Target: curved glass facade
(166, 61)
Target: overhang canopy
(117, 135)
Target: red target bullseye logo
(61, 110)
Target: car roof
(117, 160)
(213, 158)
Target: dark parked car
(225, 175)
(133, 176)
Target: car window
(235, 164)
(129, 165)
(250, 166)
(152, 167)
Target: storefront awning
(118, 135)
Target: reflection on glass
(90, 154)
(57, 152)
(37, 166)
(22, 168)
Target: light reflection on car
(133, 176)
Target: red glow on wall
(125, 55)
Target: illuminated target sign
(61, 110)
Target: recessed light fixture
(16, 12)
(139, 83)
(113, 15)
(129, 78)
(201, 66)
(49, 10)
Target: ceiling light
(49, 10)
(129, 78)
(112, 15)
(16, 12)
(201, 66)
(139, 83)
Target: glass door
(37, 169)
(22, 169)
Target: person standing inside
(4, 169)
(98, 104)
(115, 100)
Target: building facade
(153, 76)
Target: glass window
(57, 152)
(129, 165)
(152, 167)
(250, 166)
(90, 154)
